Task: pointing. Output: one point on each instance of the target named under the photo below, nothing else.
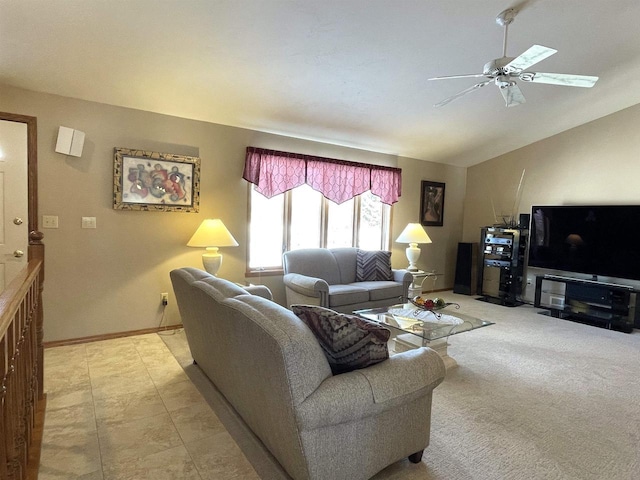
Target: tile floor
(125, 409)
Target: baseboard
(109, 336)
(448, 289)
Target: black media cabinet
(501, 264)
(608, 305)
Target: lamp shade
(413, 233)
(212, 233)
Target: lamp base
(211, 260)
(413, 253)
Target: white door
(13, 200)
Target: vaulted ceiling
(349, 72)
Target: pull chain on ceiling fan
(505, 70)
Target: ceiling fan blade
(460, 94)
(533, 55)
(512, 95)
(447, 77)
(566, 79)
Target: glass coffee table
(412, 327)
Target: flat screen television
(597, 240)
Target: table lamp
(413, 234)
(212, 234)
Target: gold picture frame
(155, 182)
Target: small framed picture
(432, 204)
(153, 181)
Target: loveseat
(270, 367)
(343, 279)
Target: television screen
(598, 240)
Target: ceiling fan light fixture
(496, 67)
(504, 81)
(504, 70)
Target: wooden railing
(21, 368)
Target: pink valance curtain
(276, 172)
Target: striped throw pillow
(349, 342)
(373, 266)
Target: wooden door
(14, 235)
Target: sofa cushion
(383, 291)
(373, 265)
(224, 290)
(346, 259)
(313, 262)
(348, 341)
(340, 295)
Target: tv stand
(609, 305)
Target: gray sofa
(269, 366)
(327, 277)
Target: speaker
(466, 269)
(70, 141)
(525, 218)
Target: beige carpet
(533, 397)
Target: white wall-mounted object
(70, 141)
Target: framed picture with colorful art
(432, 204)
(153, 181)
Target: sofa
(329, 277)
(271, 369)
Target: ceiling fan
(505, 70)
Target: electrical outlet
(165, 298)
(49, 221)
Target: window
(303, 218)
(266, 231)
(340, 221)
(373, 231)
(303, 201)
(306, 220)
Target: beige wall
(596, 163)
(109, 279)
(441, 254)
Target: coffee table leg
(440, 346)
(407, 342)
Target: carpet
(533, 397)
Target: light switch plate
(49, 221)
(88, 222)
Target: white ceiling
(349, 72)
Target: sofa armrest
(402, 275)
(259, 290)
(369, 391)
(304, 285)
(404, 374)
